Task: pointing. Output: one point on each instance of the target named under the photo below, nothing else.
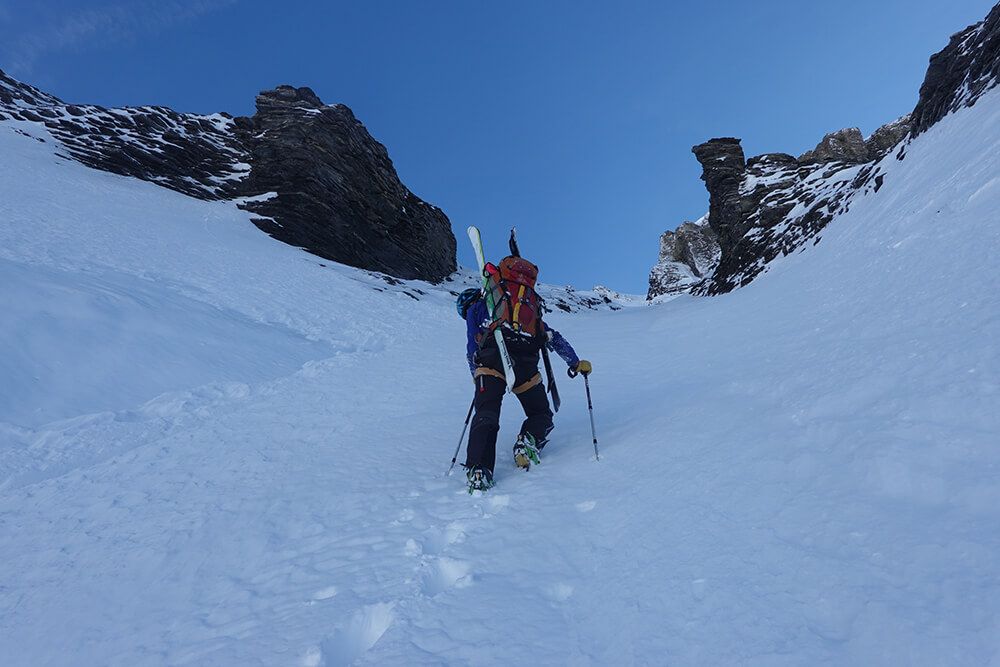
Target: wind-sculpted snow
(798, 472)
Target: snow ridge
(198, 155)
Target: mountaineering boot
(480, 479)
(525, 451)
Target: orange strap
(483, 370)
(519, 389)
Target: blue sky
(571, 119)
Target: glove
(584, 366)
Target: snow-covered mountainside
(311, 172)
(774, 204)
(218, 450)
(198, 155)
(765, 207)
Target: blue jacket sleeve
(556, 343)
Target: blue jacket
(477, 321)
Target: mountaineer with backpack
(517, 313)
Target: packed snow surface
(220, 450)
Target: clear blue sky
(572, 119)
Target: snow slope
(803, 471)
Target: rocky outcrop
(723, 165)
(775, 204)
(781, 204)
(850, 147)
(959, 74)
(688, 256)
(887, 137)
(312, 173)
(15, 95)
(198, 155)
(763, 208)
(335, 191)
(847, 145)
(694, 245)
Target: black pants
(482, 449)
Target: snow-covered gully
(225, 451)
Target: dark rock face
(336, 193)
(723, 165)
(959, 74)
(311, 172)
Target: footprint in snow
(325, 593)
(444, 573)
(313, 657)
(497, 503)
(412, 548)
(698, 589)
(558, 592)
(405, 516)
(354, 638)
(435, 539)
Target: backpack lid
(518, 270)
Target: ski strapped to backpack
(515, 251)
(508, 363)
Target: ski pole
(590, 406)
(468, 418)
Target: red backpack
(516, 305)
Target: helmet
(466, 299)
